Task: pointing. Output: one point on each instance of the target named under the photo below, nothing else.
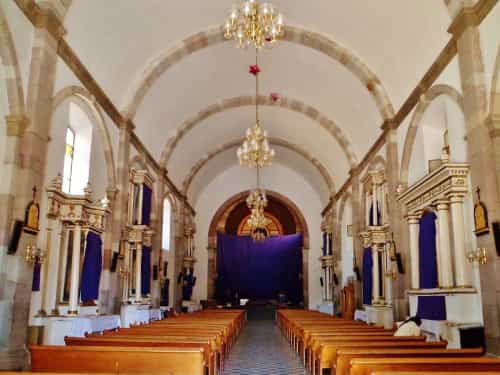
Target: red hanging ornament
(275, 96)
(254, 70)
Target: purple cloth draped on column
(259, 270)
(35, 286)
(146, 205)
(379, 215)
(92, 266)
(324, 248)
(146, 270)
(330, 243)
(427, 251)
(367, 276)
(431, 307)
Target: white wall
(277, 178)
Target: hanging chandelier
(252, 23)
(257, 202)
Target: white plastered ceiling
(397, 40)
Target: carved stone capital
(442, 204)
(16, 125)
(467, 17)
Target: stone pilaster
(481, 157)
(157, 226)
(357, 221)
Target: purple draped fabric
(431, 307)
(146, 205)
(91, 269)
(146, 270)
(427, 251)
(259, 270)
(330, 243)
(324, 248)
(379, 215)
(367, 276)
(35, 286)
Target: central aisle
(261, 349)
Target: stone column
(374, 205)
(414, 227)
(445, 263)
(481, 158)
(75, 271)
(51, 263)
(462, 276)
(357, 219)
(138, 273)
(125, 273)
(376, 276)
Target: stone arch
(495, 87)
(240, 101)
(218, 223)
(13, 80)
(275, 141)
(87, 103)
(293, 34)
(426, 99)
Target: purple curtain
(431, 307)
(259, 270)
(427, 251)
(35, 286)
(146, 205)
(379, 216)
(367, 276)
(324, 248)
(92, 266)
(146, 270)
(330, 243)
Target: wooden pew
(367, 366)
(344, 356)
(211, 358)
(155, 361)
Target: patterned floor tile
(262, 350)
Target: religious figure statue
(480, 216)
(32, 215)
(188, 282)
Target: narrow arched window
(166, 232)
(69, 153)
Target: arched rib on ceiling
(10, 63)
(275, 141)
(433, 93)
(240, 101)
(87, 103)
(293, 34)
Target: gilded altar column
(458, 225)
(374, 205)
(50, 263)
(75, 270)
(414, 228)
(445, 263)
(138, 273)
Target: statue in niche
(32, 215)
(188, 282)
(480, 216)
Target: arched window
(69, 152)
(167, 215)
(77, 151)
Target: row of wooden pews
(348, 347)
(194, 344)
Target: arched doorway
(231, 216)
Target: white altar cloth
(138, 314)
(57, 328)
(360, 315)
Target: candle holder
(479, 255)
(34, 255)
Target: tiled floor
(262, 350)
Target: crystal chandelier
(252, 23)
(257, 202)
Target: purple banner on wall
(146, 205)
(146, 270)
(427, 251)
(92, 267)
(35, 286)
(431, 307)
(367, 276)
(259, 270)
